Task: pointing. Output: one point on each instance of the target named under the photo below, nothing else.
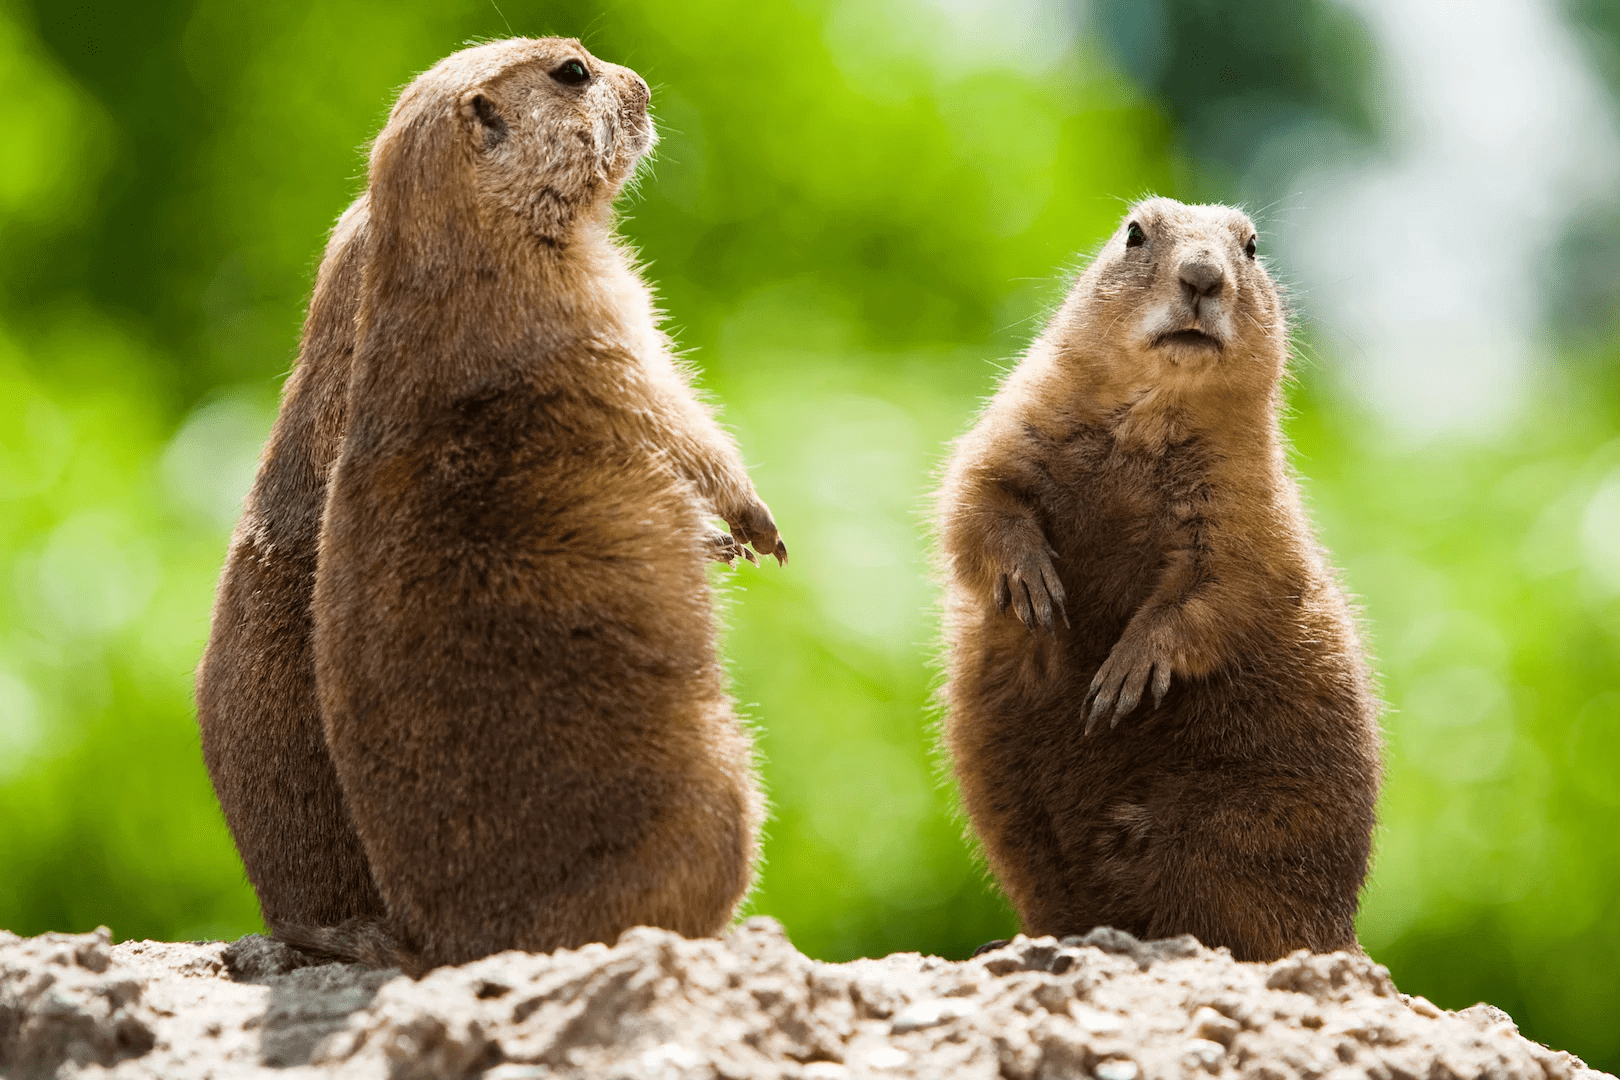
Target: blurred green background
(861, 211)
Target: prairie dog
(514, 635)
(1159, 711)
(257, 708)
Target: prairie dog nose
(1202, 276)
(635, 91)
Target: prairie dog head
(1178, 294)
(532, 131)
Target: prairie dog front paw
(723, 547)
(1030, 586)
(1140, 654)
(752, 524)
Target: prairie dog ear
(484, 121)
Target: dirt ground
(746, 1006)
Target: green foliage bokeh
(854, 222)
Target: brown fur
(1122, 519)
(515, 643)
(261, 725)
(257, 707)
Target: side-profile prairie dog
(262, 736)
(514, 636)
(1122, 524)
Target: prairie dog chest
(1106, 496)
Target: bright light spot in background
(97, 572)
(1457, 725)
(1600, 532)
(872, 800)
(33, 458)
(953, 39)
(54, 132)
(1030, 35)
(209, 464)
(21, 730)
(982, 61)
(868, 457)
(1425, 266)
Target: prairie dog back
(257, 709)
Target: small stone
(926, 1014)
(514, 1071)
(825, 1070)
(1213, 1026)
(1202, 1053)
(671, 1054)
(1488, 1017)
(1116, 1069)
(892, 1057)
(1424, 1007)
(1094, 1021)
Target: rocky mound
(747, 1006)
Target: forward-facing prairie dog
(262, 734)
(514, 636)
(1122, 521)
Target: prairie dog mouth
(643, 133)
(1193, 339)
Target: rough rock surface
(748, 1006)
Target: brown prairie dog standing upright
(1159, 711)
(515, 642)
(260, 719)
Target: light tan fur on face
(1123, 542)
(1125, 320)
(1191, 272)
(554, 151)
(513, 634)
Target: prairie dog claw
(1032, 589)
(1135, 664)
(754, 525)
(725, 548)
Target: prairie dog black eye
(571, 73)
(1248, 249)
(1134, 236)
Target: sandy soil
(748, 1006)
